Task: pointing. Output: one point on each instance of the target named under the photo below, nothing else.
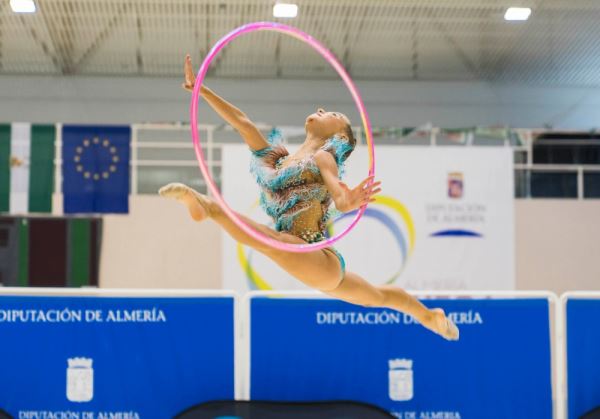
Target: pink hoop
(296, 33)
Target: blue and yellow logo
(400, 224)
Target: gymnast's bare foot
(198, 205)
(443, 326)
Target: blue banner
(100, 357)
(583, 355)
(320, 349)
(96, 169)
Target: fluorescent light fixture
(517, 13)
(285, 10)
(22, 6)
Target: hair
(351, 140)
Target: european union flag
(95, 168)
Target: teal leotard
(293, 193)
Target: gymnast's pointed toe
(173, 190)
(444, 326)
(452, 331)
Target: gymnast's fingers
(364, 182)
(372, 186)
(366, 201)
(187, 69)
(370, 193)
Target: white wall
(558, 244)
(287, 102)
(159, 246)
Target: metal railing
(163, 153)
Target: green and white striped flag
(26, 167)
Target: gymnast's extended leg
(319, 270)
(354, 289)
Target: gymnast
(296, 191)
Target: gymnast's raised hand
(188, 73)
(312, 173)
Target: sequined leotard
(293, 192)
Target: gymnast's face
(326, 124)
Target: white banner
(444, 220)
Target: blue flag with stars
(95, 168)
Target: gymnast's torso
(293, 193)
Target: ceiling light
(517, 13)
(285, 10)
(22, 6)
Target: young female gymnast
(296, 192)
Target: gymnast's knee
(329, 288)
(374, 298)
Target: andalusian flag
(26, 167)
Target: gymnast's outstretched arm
(232, 115)
(344, 198)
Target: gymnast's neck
(311, 144)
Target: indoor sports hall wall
(124, 100)
(158, 246)
(133, 245)
(556, 245)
